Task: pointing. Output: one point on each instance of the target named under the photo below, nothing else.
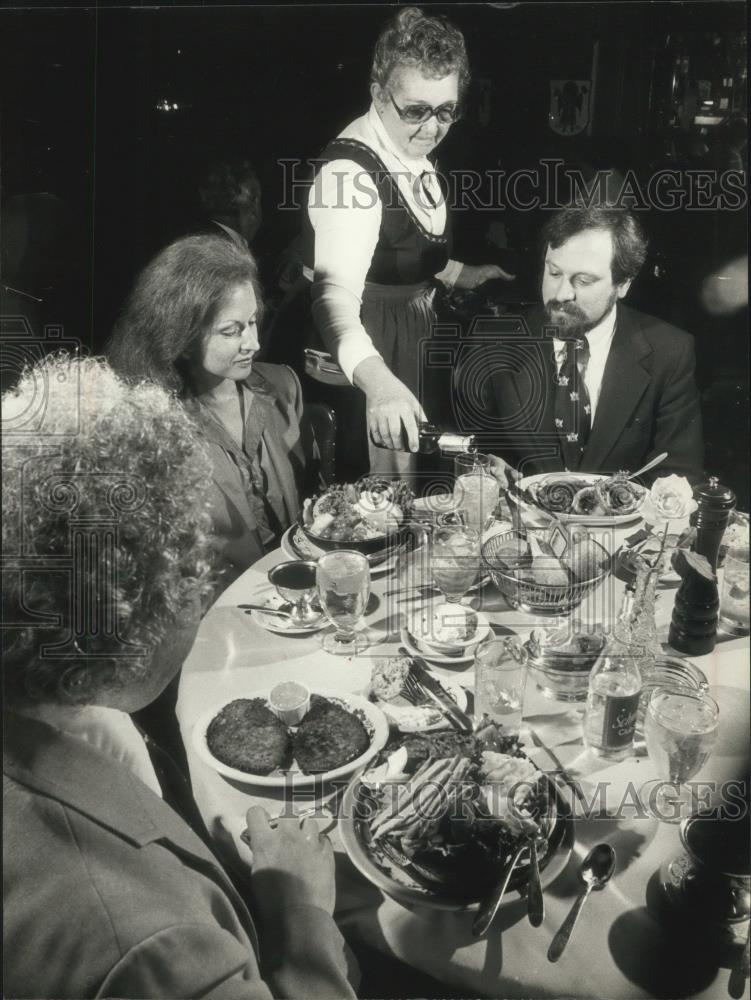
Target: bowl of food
(448, 628)
(582, 497)
(560, 661)
(438, 833)
(533, 578)
(245, 739)
(368, 516)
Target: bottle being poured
(433, 440)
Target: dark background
(81, 123)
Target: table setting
(493, 715)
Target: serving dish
(530, 484)
(372, 718)
(297, 545)
(368, 516)
(408, 887)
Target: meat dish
(248, 736)
(328, 737)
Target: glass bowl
(560, 662)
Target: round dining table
(627, 943)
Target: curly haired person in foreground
(108, 892)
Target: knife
(459, 719)
(560, 769)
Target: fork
(414, 692)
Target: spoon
(595, 872)
(535, 904)
(247, 608)
(650, 465)
(489, 906)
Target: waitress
(377, 235)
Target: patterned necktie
(573, 412)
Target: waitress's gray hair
(431, 44)
(105, 529)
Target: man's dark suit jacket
(648, 403)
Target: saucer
(283, 626)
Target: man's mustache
(569, 308)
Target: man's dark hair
(629, 239)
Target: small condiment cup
(290, 701)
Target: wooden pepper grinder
(693, 629)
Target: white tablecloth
(619, 948)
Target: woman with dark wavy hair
(106, 891)
(377, 231)
(191, 324)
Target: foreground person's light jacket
(109, 893)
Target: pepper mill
(693, 629)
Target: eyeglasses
(418, 114)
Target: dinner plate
(399, 884)
(406, 718)
(296, 545)
(283, 626)
(598, 521)
(370, 715)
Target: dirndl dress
(397, 305)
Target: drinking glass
(500, 679)
(343, 579)
(475, 490)
(454, 560)
(734, 600)
(680, 731)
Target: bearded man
(585, 384)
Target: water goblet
(343, 579)
(680, 730)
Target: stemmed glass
(343, 579)
(454, 560)
(680, 731)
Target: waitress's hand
(473, 275)
(393, 412)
